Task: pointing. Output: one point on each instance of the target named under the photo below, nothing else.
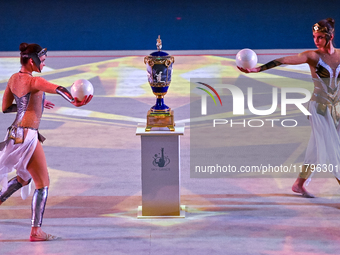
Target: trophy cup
(159, 68)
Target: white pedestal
(160, 172)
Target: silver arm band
(65, 94)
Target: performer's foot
(38, 235)
(298, 188)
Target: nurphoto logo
(238, 99)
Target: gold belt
(17, 134)
(334, 110)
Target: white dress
(16, 156)
(324, 143)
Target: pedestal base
(140, 214)
(160, 119)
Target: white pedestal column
(160, 172)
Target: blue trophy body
(159, 69)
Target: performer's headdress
(35, 56)
(326, 30)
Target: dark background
(183, 25)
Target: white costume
(17, 150)
(324, 143)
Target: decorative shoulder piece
(65, 93)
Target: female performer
(21, 149)
(324, 143)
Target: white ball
(246, 58)
(81, 88)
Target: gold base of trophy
(160, 119)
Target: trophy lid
(159, 53)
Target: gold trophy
(159, 68)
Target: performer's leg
(14, 184)
(298, 184)
(38, 208)
(37, 167)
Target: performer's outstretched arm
(300, 58)
(43, 85)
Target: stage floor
(94, 161)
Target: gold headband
(318, 28)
